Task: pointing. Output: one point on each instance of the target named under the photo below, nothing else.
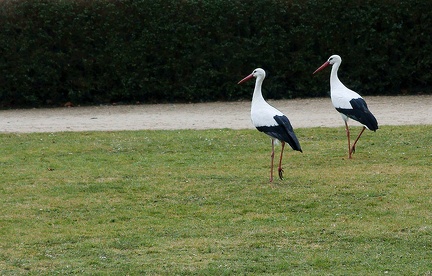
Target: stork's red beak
(246, 78)
(322, 67)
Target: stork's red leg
(358, 137)
(349, 142)
(271, 164)
(280, 170)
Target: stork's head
(257, 73)
(332, 60)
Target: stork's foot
(280, 171)
(351, 152)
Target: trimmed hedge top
(101, 51)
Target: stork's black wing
(283, 131)
(360, 112)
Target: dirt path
(401, 110)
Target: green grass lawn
(199, 203)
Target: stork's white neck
(257, 95)
(334, 79)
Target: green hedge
(100, 51)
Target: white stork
(348, 103)
(271, 121)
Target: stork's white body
(339, 93)
(262, 113)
